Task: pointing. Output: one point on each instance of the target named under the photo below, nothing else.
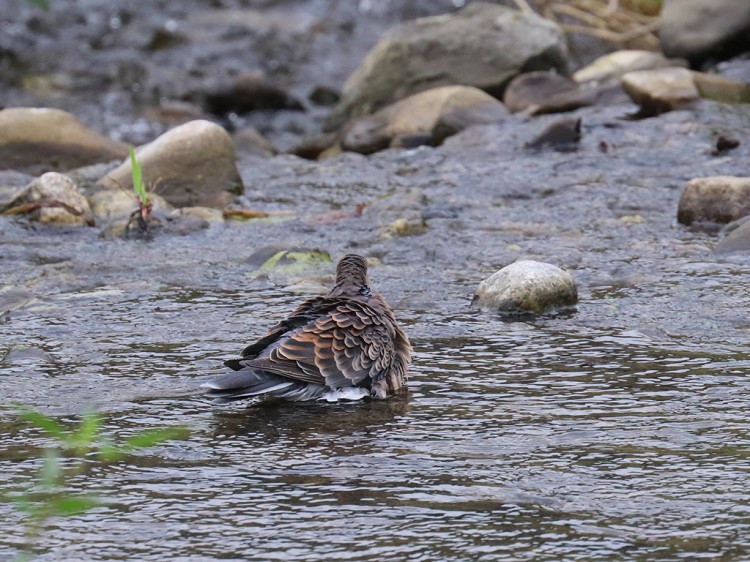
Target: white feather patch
(348, 393)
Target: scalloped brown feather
(347, 338)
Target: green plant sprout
(145, 205)
(75, 453)
(138, 186)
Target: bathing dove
(344, 345)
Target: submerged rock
(52, 199)
(482, 45)
(430, 116)
(719, 199)
(699, 30)
(527, 287)
(36, 140)
(285, 266)
(193, 164)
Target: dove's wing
(349, 344)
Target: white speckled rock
(718, 199)
(527, 287)
(52, 199)
(190, 165)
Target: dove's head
(351, 277)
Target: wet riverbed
(618, 432)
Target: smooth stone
(662, 90)
(737, 240)
(52, 198)
(36, 140)
(191, 165)
(545, 92)
(482, 45)
(720, 89)
(430, 116)
(699, 30)
(527, 287)
(27, 354)
(719, 199)
(614, 65)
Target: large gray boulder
(483, 45)
(191, 165)
(37, 140)
(699, 30)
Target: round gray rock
(191, 165)
(527, 287)
(482, 45)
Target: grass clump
(77, 452)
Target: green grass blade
(86, 435)
(72, 505)
(51, 471)
(43, 422)
(137, 173)
(154, 437)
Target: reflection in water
(514, 442)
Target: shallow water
(522, 441)
(617, 432)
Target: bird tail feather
(249, 382)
